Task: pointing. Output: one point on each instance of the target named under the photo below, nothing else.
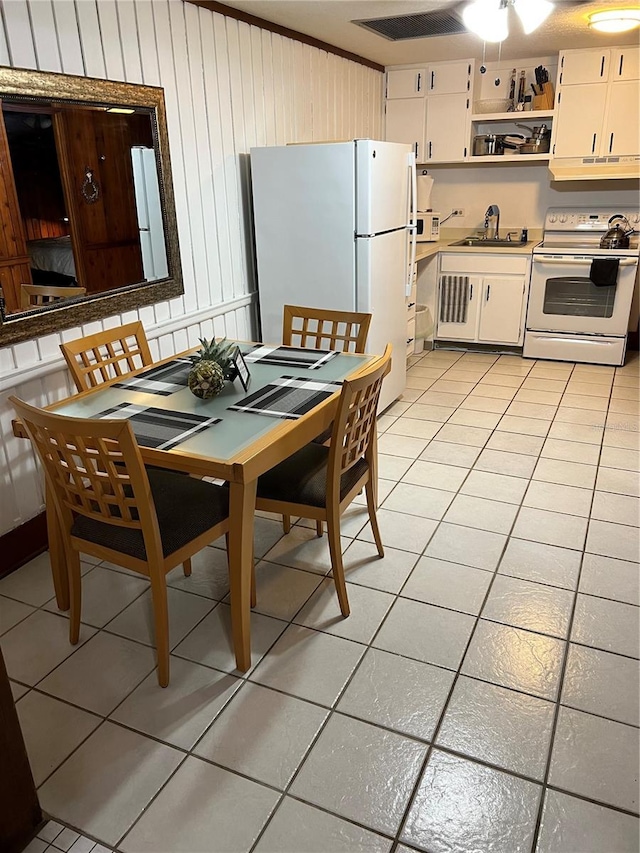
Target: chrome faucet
(492, 210)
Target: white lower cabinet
(482, 299)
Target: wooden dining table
(238, 449)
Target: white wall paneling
(228, 86)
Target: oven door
(563, 298)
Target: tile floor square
(608, 625)
(608, 578)
(226, 812)
(534, 561)
(484, 484)
(583, 742)
(368, 609)
(498, 726)
(283, 729)
(133, 768)
(299, 828)
(480, 549)
(435, 476)
(451, 807)
(602, 683)
(426, 633)
(418, 500)
(361, 772)
(397, 693)
(447, 585)
(551, 528)
(511, 657)
(311, 665)
(362, 565)
(570, 824)
(532, 606)
(484, 514)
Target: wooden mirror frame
(25, 85)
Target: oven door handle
(542, 259)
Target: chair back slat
(355, 423)
(320, 328)
(107, 355)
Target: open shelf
(508, 158)
(523, 116)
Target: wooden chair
(107, 355)
(34, 295)
(320, 328)
(110, 506)
(320, 482)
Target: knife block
(545, 100)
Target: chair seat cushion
(185, 507)
(302, 478)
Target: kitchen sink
(480, 243)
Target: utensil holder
(545, 100)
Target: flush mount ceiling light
(615, 21)
(488, 18)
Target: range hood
(594, 168)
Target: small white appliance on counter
(571, 318)
(333, 229)
(427, 227)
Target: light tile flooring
(483, 695)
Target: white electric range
(569, 318)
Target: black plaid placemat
(286, 397)
(291, 356)
(164, 379)
(158, 428)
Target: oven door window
(573, 296)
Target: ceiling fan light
(532, 13)
(615, 21)
(487, 19)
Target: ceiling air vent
(418, 26)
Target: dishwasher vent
(417, 26)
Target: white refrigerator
(334, 228)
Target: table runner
(158, 428)
(290, 356)
(287, 397)
(163, 379)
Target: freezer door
(304, 217)
(384, 172)
(381, 264)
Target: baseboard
(23, 543)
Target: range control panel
(586, 219)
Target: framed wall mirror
(88, 224)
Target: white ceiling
(330, 21)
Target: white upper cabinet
(584, 66)
(405, 122)
(626, 63)
(447, 128)
(622, 123)
(598, 115)
(429, 108)
(407, 83)
(449, 78)
(578, 124)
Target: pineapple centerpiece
(211, 366)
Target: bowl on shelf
(496, 105)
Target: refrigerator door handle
(412, 258)
(413, 191)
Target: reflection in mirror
(87, 219)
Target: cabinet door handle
(419, 88)
(430, 149)
(602, 67)
(593, 144)
(488, 292)
(411, 304)
(470, 292)
(621, 62)
(415, 146)
(433, 79)
(611, 144)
